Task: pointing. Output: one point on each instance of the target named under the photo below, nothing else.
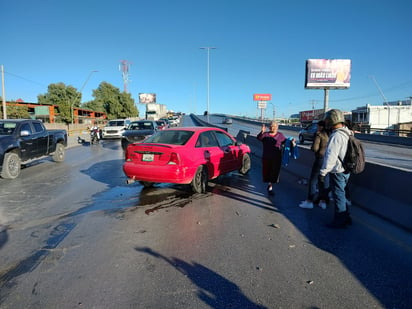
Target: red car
(186, 155)
(161, 124)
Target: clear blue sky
(261, 47)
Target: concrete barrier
(381, 190)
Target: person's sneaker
(270, 190)
(306, 204)
(322, 204)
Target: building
(382, 118)
(50, 113)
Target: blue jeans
(338, 183)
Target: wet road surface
(78, 237)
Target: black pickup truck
(23, 140)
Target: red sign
(262, 97)
(310, 114)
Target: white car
(115, 128)
(174, 121)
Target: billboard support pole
(326, 100)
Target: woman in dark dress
(272, 141)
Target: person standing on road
(332, 165)
(272, 141)
(319, 148)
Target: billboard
(306, 116)
(145, 98)
(262, 97)
(328, 73)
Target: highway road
(78, 237)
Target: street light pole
(79, 93)
(208, 78)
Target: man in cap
(332, 165)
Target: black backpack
(354, 160)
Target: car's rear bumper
(159, 174)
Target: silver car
(308, 133)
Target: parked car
(137, 131)
(23, 140)
(308, 133)
(227, 120)
(115, 128)
(186, 155)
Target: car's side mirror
(24, 133)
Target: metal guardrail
(203, 123)
(387, 139)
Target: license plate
(148, 157)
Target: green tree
(94, 106)
(129, 106)
(17, 112)
(114, 103)
(65, 97)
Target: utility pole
(79, 94)
(3, 93)
(313, 109)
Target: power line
(26, 79)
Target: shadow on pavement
(213, 289)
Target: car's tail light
(174, 159)
(129, 155)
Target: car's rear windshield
(172, 137)
(7, 128)
(141, 126)
(115, 124)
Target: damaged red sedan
(186, 155)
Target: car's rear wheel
(146, 184)
(199, 182)
(11, 166)
(59, 154)
(246, 164)
(301, 139)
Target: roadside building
(383, 119)
(50, 113)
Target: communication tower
(124, 68)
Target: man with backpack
(333, 164)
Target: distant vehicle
(186, 155)
(227, 120)
(137, 131)
(155, 111)
(174, 121)
(167, 121)
(162, 124)
(308, 133)
(115, 128)
(23, 140)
